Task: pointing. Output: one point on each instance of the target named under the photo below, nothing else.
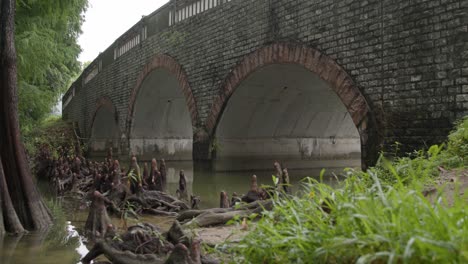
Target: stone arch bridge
(303, 81)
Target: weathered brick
(397, 51)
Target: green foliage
(57, 235)
(458, 144)
(406, 169)
(378, 216)
(47, 50)
(128, 209)
(235, 220)
(52, 132)
(173, 38)
(453, 154)
(133, 177)
(215, 146)
(383, 223)
(275, 180)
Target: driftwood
(212, 219)
(152, 211)
(143, 244)
(120, 257)
(221, 216)
(190, 214)
(164, 199)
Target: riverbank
(406, 209)
(411, 209)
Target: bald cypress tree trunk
(9, 221)
(22, 206)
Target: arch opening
(161, 124)
(105, 131)
(285, 112)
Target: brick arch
(170, 64)
(106, 102)
(316, 62)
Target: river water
(63, 244)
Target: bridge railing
(189, 8)
(173, 12)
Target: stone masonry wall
(408, 57)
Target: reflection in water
(62, 243)
(8, 247)
(208, 183)
(82, 250)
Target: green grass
(378, 216)
(393, 224)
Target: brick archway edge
(105, 102)
(314, 61)
(170, 64)
(311, 59)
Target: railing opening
(184, 12)
(132, 42)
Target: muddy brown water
(63, 243)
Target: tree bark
(25, 198)
(9, 221)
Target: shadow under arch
(162, 112)
(326, 69)
(104, 127)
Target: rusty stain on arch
(170, 64)
(314, 61)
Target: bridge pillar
(202, 145)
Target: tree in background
(21, 206)
(46, 40)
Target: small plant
(173, 38)
(215, 146)
(132, 177)
(457, 147)
(237, 219)
(127, 210)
